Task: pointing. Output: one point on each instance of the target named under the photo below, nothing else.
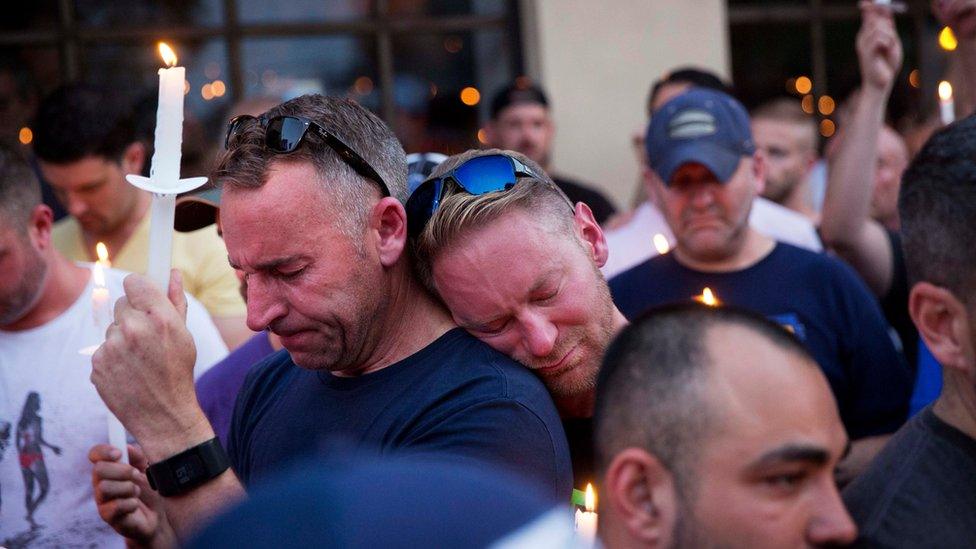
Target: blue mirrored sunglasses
(480, 175)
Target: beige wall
(597, 60)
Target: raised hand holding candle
(947, 107)
(164, 174)
(586, 521)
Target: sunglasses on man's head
(284, 134)
(477, 176)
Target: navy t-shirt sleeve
(879, 379)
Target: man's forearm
(189, 512)
(847, 203)
(846, 224)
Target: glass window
(38, 15)
(766, 57)
(302, 11)
(288, 67)
(441, 8)
(444, 83)
(155, 13)
(26, 74)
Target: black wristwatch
(185, 471)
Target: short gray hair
(20, 191)
(247, 162)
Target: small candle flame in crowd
(590, 500)
(586, 521)
(947, 107)
(662, 244)
(168, 55)
(707, 297)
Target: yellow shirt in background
(200, 256)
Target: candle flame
(101, 250)
(662, 244)
(590, 498)
(169, 56)
(707, 297)
(945, 90)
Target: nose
(263, 306)
(702, 195)
(75, 206)
(831, 524)
(538, 334)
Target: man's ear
(39, 226)
(759, 172)
(134, 158)
(589, 231)
(388, 226)
(653, 186)
(642, 498)
(943, 323)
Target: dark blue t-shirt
(819, 299)
(456, 397)
(217, 388)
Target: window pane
(39, 15)
(447, 7)
(155, 13)
(26, 74)
(432, 71)
(289, 67)
(766, 57)
(302, 11)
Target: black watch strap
(188, 469)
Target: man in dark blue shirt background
(705, 173)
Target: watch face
(190, 470)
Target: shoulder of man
(473, 370)
(641, 286)
(903, 499)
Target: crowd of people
(364, 349)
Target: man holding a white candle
(86, 144)
(47, 318)
(705, 170)
(311, 212)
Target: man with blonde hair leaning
(518, 265)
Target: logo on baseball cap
(703, 126)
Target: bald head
(657, 385)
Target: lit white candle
(586, 521)
(947, 107)
(164, 174)
(102, 312)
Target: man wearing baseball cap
(705, 172)
(521, 121)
